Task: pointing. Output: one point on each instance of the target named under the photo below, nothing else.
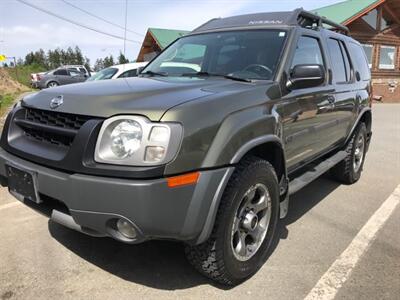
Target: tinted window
(61, 72)
(337, 61)
(346, 60)
(82, 70)
(359, 60)
(130, 73)
(308, 51)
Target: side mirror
(139, 70)
(306, 76)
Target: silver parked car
(60, 76)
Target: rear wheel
(52, 84)
(349, 170)
(244, 227)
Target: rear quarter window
(359, 60)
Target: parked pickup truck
(208, 157)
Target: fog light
(126, 229)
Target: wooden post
(16, 68)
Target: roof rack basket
(310, 20)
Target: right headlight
(135, 141)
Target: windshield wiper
(199, 74)
(152, 73)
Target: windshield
(103, 74)
(250, 54)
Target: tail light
(38, 77)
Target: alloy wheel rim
(251, 222)
(358, 153)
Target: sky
(24, 29)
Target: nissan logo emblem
(56, 102)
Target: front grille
(57, 119)
(51, 127)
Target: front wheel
(244, 226)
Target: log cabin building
(376, 25)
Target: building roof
(344, 11)
(164, 37)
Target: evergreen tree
(99, 64)
(122, 59)
(79, 56)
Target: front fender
(239, 133)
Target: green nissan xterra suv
(205, 146)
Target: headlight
(135, 141)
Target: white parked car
(118, 71)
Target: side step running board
(298, 183)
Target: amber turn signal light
(185, 179)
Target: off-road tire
(214, 258)
(344, 171)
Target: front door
(305, 109)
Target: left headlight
(135, 141)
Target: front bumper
(92, 203)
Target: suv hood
(150, 97)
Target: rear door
(304, 108)
(62, 76)
(342, 77)
(76, 76)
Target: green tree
(87, 64)
(108, 61)
(80, 60)
(122, 59)
(99, 64)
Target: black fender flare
(364, 111)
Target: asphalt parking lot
(43, 260)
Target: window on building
(368, 52)
(337, 60)
(387, 57)
(308, 51)
(372, 18)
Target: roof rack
(298, 17)
(310, 20)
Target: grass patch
(6, 101)
(22, 74)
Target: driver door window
(308, 51)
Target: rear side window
(340, 61)
(337, 60)
(359, 60)
(61, 72)
(308, 51)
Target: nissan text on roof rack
(205, 146)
